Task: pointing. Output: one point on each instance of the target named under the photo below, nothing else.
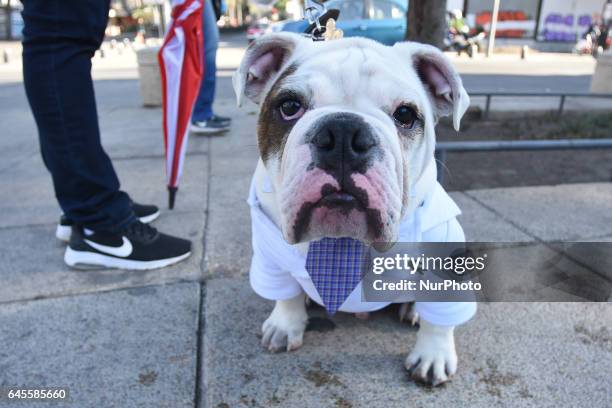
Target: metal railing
(561, 95)
(442, 148)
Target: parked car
(380, 20)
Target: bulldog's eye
(405, 116)
(291, 109)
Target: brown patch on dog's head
(272, 131)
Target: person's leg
(60, 38)
(203, 108)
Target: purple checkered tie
(335, 266)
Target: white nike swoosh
(123, 251)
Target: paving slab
(233, 160)
(562, 212)
(127, 128)
(31, 199)
(511, 354)
(228, 238)
(19, 135)
(225, 89)
(536, 271)
(482, 225)
(30, 274)
(128, 348)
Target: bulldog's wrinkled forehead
(352, 73)
(349, 68)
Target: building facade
(553, 21)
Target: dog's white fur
(370, 80)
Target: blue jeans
(202, 109)
(59, 39)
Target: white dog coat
(278, 269)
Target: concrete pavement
(131, 347)
(187, 335)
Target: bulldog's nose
(343, 140)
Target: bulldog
(346, 135)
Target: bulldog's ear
(442, 82)
(263, 60)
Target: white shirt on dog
(278, 269)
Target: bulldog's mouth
(339, 212)
(363, 206)
(341, 200)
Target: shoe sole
(203, 131)
(63, 232)
(85, 260)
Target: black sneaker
(145, 213)
(138, 247)
(221, 119)
(209, 127)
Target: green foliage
(281, 4)
(146, 13)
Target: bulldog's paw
(433, 360)
(408, 314)
(284, 328)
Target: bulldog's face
(346, 130)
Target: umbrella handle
(171, 196)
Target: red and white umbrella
(181, 63)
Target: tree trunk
(126, 7)
(427, 21)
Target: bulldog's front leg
(284, 328)
(433, 359)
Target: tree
(125, 5)
(427, 21)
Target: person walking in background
(607, 13)
(103, 225)
(204, 120)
